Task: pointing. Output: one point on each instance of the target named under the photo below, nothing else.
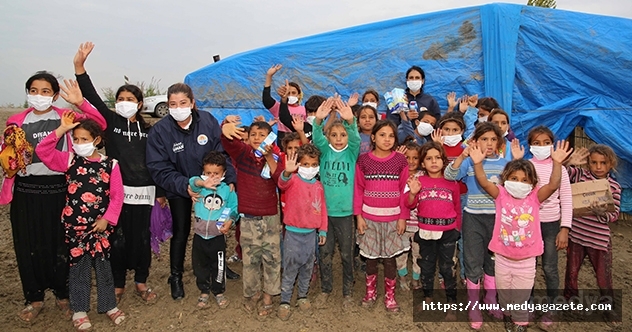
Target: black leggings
(390, 267)
(181, 215)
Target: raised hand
(414, 185)
(579, 157)
(477, 155)
(472, 100)
(561, 152)
(436, 136)
(81, 56)
(211, 182)
(232, 119)
(282, 91)
(232, 130)
(324, 109)
(273, 70)
(291, 165)
(401, 149)
(68, 121)
(343, 109)
(353, 99)
(298, 123)
(463, 102)
(451, 98)
(71, 92)
(517, 150)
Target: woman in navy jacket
(175, 149)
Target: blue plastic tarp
(545, 66)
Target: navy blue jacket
(174, 154)
(423, 100)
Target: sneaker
(546, 322)
(233, 259)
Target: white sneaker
(233, 259)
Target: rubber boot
(473, 292)
(389, 295)
(490, 296)
(371, 290)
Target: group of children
(412, 182)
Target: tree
(542, 3)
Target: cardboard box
(592, 192)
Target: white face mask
(291, 100)
(180, 114)
(39, 102)
(310, 119)
(84, 150)
(308, 173)
(205, 177)
(370, 103)
(541, 152)
(451, 140)
(517, 189)
(336, 150)
(506, 133)
(424, 129)
(482, 119)
(414, 85)
(126, 109)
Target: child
(367, 116)
(556, 214)
(412, 157)
(339, 153)
(590, 235)
(260, 224)
(517, 239)
(438, 205)
(478, 217)
(215, 211)
(501, 119)
(93, 204)
(290, 93)
(420, 128)
(304, 214)
(379, 206)
(450, 134)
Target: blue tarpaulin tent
(545, 66)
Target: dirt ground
(170, 315)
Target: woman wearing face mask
(38, 195)
(290, 94)
(415, 79)
(175, 149)
(127, 140)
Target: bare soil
(170, 315)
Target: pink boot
(473, 291)
(371, 290)
(489, 283)
(389, 295)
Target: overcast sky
(168, 39)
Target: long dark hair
(43, 76)
(381, 124)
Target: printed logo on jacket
(178, 147)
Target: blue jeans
(550, 257)
(298, 261)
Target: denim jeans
(298, 263)
(477, 232)
(549, 258)
(342, 231)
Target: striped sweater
(379, 186)
(478, 201)
(591, 230)
(558, 206)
